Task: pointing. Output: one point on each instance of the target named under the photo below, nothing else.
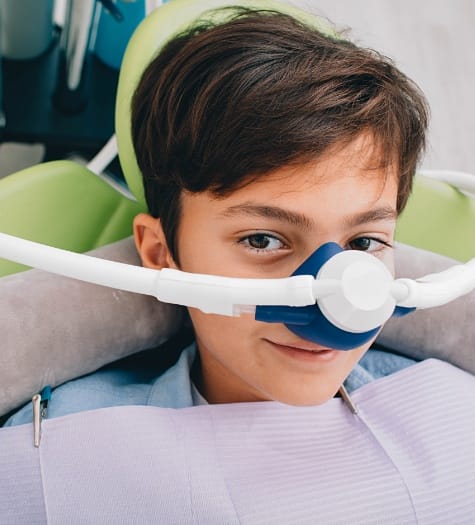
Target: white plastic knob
(366, 286)
(364, 301)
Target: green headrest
(155, 31)
(439, 218)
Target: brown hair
(222, 105)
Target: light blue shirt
(173, 388)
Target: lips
(306, 352)
(302, 346)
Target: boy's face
(267, 229)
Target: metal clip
(40, 411)
(347, 399)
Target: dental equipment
(336, 298)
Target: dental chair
(57, 329)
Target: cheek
(232, 345)
(220, 335)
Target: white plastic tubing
(224, 295)
(212, 294)
(439, 288)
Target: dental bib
(397, 461)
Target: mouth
(304, 352)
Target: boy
(259, 140)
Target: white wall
(434, 43)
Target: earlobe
(151, 243)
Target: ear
(151, 243)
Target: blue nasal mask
(310, 323)
(337, 298)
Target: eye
(368, 244)
(262, 242)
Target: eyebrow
(384, 213)
(302, 221)
(269, 212)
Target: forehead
(348, 179)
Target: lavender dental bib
(407, 457)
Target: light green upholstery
(63, 204)
(440, 219)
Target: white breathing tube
(440, 288)
(209, 293)
(361, 280)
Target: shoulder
(105, 388)
(133, 381)
(376, 363)
(381, 363)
